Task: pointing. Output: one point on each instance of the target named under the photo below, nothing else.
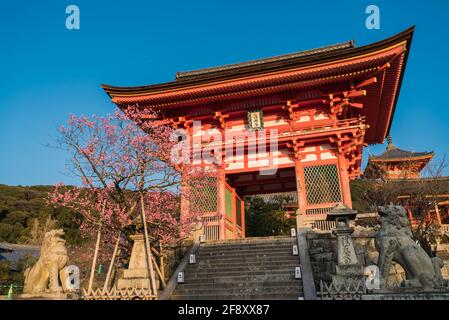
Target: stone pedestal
(348, 268)
(137, 275)
(43, 296)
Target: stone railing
(323, 225)
(116, 294)
(346, 291)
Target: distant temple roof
(393, 153)
(397, 164)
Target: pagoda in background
(404, 168)
(396, 163)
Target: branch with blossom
(120, 157)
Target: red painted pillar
(221, 198)
(242, 204)
(185, 197)
(300, 189)
(234, 213)
(344, 181)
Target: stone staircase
(250, 269)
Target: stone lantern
(348, 267)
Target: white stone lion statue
(44, 276)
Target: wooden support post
(162, 261)
(94, 261)
(111, 264)
(159, 272)
(152, 280)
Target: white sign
(295, 250)
(298, 273)
(181, 277)
(192, 259)
(202, 238)
(72, 280)
(293, 231)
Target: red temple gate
(304, 119)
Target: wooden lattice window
(204, 199)
(322, 184)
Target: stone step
(242, 267)
(248, 257)
(248, 240)
(260, 246)
(237, 253)
(256, 265)
(256, 269)
(263, 296)
(252, 254)
(243, 278)
(243, 284)
(237, 290)
(238, 272)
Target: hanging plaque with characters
(255, 120)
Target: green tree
(267, 218)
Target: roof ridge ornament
(390, 145)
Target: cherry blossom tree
(128, 180)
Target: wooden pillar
(221, 198)
(344, 181)
(437, 212)
(234, 213)
(410, 215)
(242, 208)
(185, 195)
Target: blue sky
(48, 72)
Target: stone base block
(132, 283)
(136, 273)
(41, 296)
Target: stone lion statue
(395, 242)
(44, 276)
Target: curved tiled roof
(284, 57)
(394, 153)
(284, 62)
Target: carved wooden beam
(290, 107)
(297, 147)
(221, 118)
